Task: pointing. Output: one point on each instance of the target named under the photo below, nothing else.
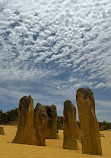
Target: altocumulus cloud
(64, 43)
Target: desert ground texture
(53, 148)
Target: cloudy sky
(51, 48)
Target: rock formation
(70, 126)
(25, 132)
(51, 130)
(40, 123)
(78, 133)
(91, 143)
(2, 131)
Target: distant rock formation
(2, 131)
(51, 130)
(70, 126)
(91, 143)
(40, 123)
(25, 132)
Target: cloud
(47, 93)
(104, 103)
(67, 42)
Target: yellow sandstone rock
(25, 132)
(70, 126)
(91, 143)
(40, 123)
(51, 130)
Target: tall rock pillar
(70, 126)
(91, 143)
(25, 131)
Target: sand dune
(52, 150)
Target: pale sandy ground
(52, 150)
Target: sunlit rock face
(51, 130)
(91, 143)
(25, 131)
(70, 126)
(40, 123)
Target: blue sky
(51, 48)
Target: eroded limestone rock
(51, 130)
(78, 133)
(91, 143)
(40, 123)
(70, 126)
(25, 132)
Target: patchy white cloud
(104, 103)
(103, 109)
(65, 42)
(62, 35)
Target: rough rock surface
(40, 123)
(2, 131)
(70, 126)
(51, 130)
(78, 133)
(25, 132)
(91, 143)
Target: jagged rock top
(39, 106)
(51, 110)
(68, 105)
(52, 107)
(87, 93)
(25, 102)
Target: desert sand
(53, 148)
